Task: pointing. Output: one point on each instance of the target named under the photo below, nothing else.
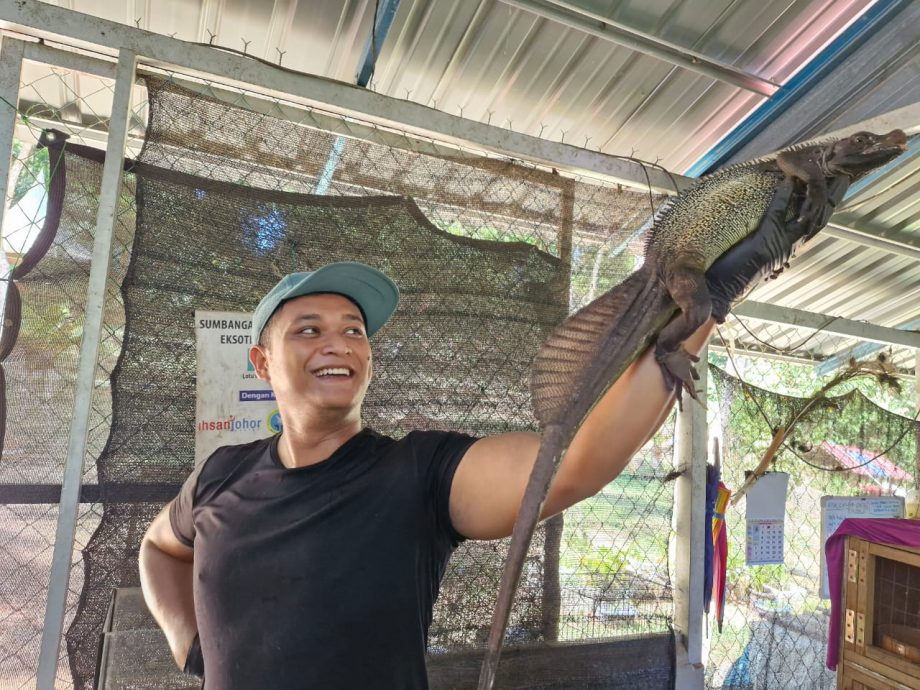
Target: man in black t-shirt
(312, 559)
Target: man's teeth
(333, 371)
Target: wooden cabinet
(880, 629)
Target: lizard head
(861, 152)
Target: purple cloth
(894, 531)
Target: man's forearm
(167, 585)
(624, 419)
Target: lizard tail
(543, 471)
(579, 360)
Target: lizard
(704, 249)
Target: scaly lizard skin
(705, 247)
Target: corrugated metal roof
(511, 67)
(506, 65)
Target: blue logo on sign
(274, 421)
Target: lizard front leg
(685, 279)
(805, 165)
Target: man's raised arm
(489, 484)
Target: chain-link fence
(229, 191)
(849, 429)
(47, 251)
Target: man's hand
(733, 274)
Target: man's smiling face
(315, 354)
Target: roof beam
(72, 60)
(385, 13)
(93, 133)
(81, 30)
(571, 15)
(84, 29)
(858, 352)
(905, 248)
(848, 328)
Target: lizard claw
(679, 372)
(815, 213)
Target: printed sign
(232, 404)
(835, 509)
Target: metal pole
(789, 316)
(10, 68)
(913, 510)
(579, 18)
(900, 247)
(86, 374)
(689, 535)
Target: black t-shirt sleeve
(441, 453)
(180, 510)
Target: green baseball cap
(370, 289)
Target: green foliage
(55, 323)
(801, 380)
(493, 234)
(595, 269)
(589, 560)
(34, 170)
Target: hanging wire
(790, 349)
(649, 164)
(746, 388)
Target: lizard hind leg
(686, 282)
